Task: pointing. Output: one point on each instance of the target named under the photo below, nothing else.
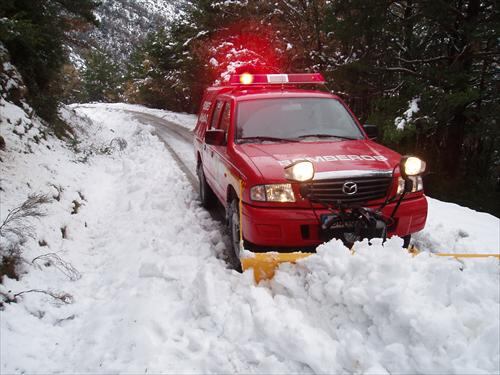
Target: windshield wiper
(263, 139)
(326, 136)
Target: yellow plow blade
(264, 264)
(413, 250)
(453, 255)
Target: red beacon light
(276, 79)
(246, 79)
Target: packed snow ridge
(152, 292)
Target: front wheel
(207, 196)
(233, 219)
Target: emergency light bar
(275, 79)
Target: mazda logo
(350, 188)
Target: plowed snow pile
(383, 311)
(155, 296)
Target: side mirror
(371, 131)
(215, 137)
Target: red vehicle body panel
(283, 226)
(274, 224)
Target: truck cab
(294, 168)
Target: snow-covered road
(155, 294)
(177, 139)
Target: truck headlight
(417, 184)
(412, 166)
(272, 193)
(300, 171)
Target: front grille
(331, 190)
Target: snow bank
(138, 234)
(383, 311)
(451, 228)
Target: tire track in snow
(190, 176)
(165, 130)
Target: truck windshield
(294, 119)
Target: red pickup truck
(294, 167)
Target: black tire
(406, 241)
(207, 196)
(233, 221)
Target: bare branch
(400, 69)
(63, 297)
(17, 221)
(65, 267)
(432, 59)
(395, 89)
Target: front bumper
(300, 228)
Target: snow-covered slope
(151, 293)
(125, 23)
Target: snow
(185, 120)
(388, 312)
(401, 122)
(9, 76)
(451, 228)
(124, 24)
(114, 269)
(213, 61)
(78, 62)
(154, 294)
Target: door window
(216, 115)
(226, 118)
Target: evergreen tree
(101, 79)
(173, 67)
(33, 32)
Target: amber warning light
(276, 79)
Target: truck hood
(271, 158)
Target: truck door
(220, 152)
(208, 150)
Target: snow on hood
(270, 158)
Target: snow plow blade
(264, 264)
(414, 251)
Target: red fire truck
(293, 167)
